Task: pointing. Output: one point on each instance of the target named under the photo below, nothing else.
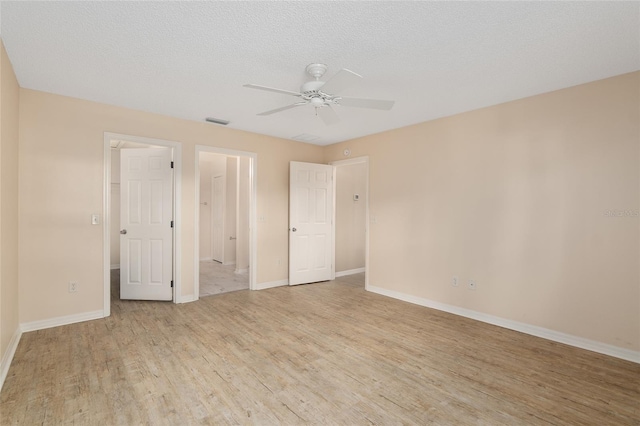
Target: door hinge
(172, 224)
(172, 164)
(171, 283)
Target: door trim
(177, 216)
(350, 161)
(253, 205)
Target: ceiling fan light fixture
(323, 94)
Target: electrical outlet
(454, 281)
(472, 285)
(73, 286)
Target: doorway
(348, 206)
(225, 221)
(113, 144)
(352, 218)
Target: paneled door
(146, 234)
(311, 228)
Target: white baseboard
(7, 357)
(349, 272)
(271, 284)
(115, 266)
(241, 271)
(58, 321)
(186, 299)
(545, 333)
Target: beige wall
(9, 291)
(351, 179)
(515, 197)
(205, 210)
(61, 181)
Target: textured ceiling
(190, 59)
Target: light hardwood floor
(216, 278)
(327, 353)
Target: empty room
(316, 212)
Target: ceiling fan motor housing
(311, 87)
(316, 70)
(311, 92)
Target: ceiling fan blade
(271, 89)
(340, 81)
(366, 103)
(284, 108)
(328, 115)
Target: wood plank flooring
(216, 278)
(326, 353)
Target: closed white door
(311, 229)
(217, 217)
(146, 234)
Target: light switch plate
(95, 219)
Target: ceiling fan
(323, 94)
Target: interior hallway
(216, 278)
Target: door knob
(294, 229)
(124, 231)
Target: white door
(217, 217)
(146, 240)
(311, 229)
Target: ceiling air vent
(305, 137)
(217, 121)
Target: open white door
(146, 240)
(311, 225)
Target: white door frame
(348, 162)
(253, 191)
(106, 213)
